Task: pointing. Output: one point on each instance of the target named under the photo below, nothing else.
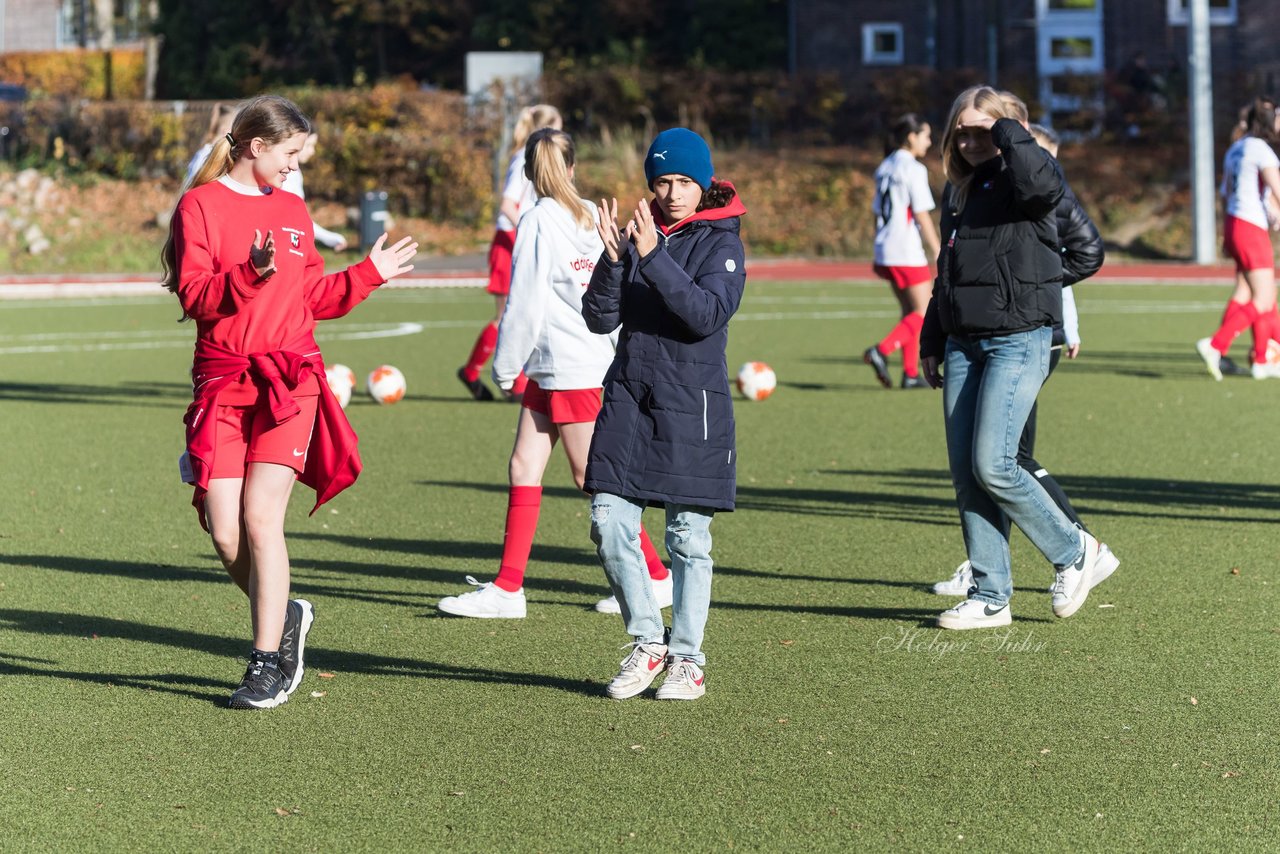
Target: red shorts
(500, 262)
(246, 434)
(1248, 245)
(904, 277)
(569, 406)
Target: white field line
(180, 337)
(89, 289)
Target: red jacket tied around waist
(333, 463)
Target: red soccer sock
(657, 569)
(1238, 317)
(486, 341)
(911, 349)
(1266, 327)
(523, 503)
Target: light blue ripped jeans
(615, 529)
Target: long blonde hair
(268, 117)
(985, 100)
(531, 119)
(548, 157)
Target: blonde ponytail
(531, 119)
(548, 156)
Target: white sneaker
(486, 601)
(1260, 371)
(685, 681)
(1107, 564)
(639, 669)
(662, 591)
(975, 614)
(1212, 358)
(958, 584)
(1071, 584)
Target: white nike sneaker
(1212, 358)
(685, 681)
(975, 614)
(1071, 584)
(1107, 564)
(1261, 371)
(958, 584)
(662, 591)
(486, 601)
(639, 669)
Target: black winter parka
(999, 271)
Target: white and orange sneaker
(639, 669)
(685, 681)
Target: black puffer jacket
(1078, 238)
(999, 271)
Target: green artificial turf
(835, 716)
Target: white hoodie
(542, 329)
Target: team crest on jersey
(295, 240)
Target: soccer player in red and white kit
(902, 204)
(544, 334)
(1250, 169)
(518, 196)
(242, 261)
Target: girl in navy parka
(671, 278)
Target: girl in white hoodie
(543, 333)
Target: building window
(882, 44)
(1221, 12)
(79, 25)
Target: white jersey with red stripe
(1242, 186)
(902, 192)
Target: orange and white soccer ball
(385, 384)
(756, 380)
(341, 380)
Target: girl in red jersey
(242, 261)
(1250, 169)
(545, 335)
(517, 197)
(902, 204)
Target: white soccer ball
(385, 384)
(756, 380)
(341, 380)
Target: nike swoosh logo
(699, 682)
(987, 610)
(299, 453)
(654, 662)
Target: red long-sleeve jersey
(232, 306)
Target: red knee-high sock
(486, 341)
(905, 336)
(657, 569)
(523, 503)
(911, 348)
(1238, 317)
(1266, 327)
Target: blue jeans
(989, 387)
(615, 529)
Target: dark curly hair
(717, 195)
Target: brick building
(1064, 55)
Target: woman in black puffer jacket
(996, 301)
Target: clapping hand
(646, 232)
(607, 228)
(263, 254)
(392, 261)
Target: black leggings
(1026, 450)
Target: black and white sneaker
(873, 357)
(914, 382)
(299, 614)
(479, 391)
(262, 687)
(1071, 584)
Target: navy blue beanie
(679, 151)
